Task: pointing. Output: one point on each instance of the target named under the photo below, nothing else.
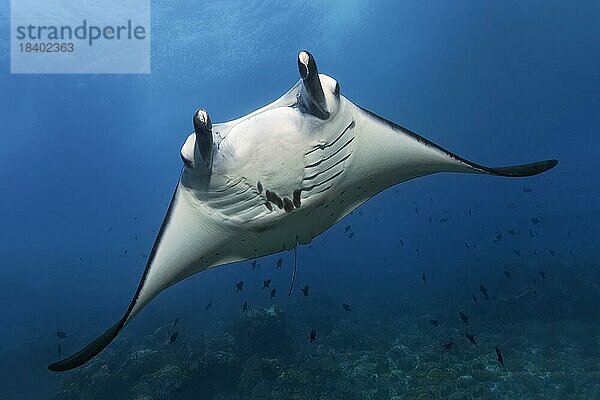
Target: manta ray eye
(336, 91)
(186, 162)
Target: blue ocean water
(89, 162)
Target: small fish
(499, 356)
(430, 219)
(401, 242)
(471, 338)
(312, 336)
(273, 292)
(498, 237)
(173, 337)
(423, 277)
(542, 274)
(552, 252)
(209, 305)
(483, 291)
(135, 236)
(447, 345)
(532, 233)
(464, 317)
(526, 190)
(279, 262)
(305, 290)
(61, 334)
(417, 210)
(434, 322)
(467, 245)
(125, 253)
(444, 219)
(535, 220)
(59, 350)
(266, 283)
(347, 228)
(253, 263)
(245, 306)
(346, 307)
(507, 274)
(350, 235)
(239, 286)
(512, 232)
(517, 253)
(175, 322)
(418, 251)
(474, 298)
(469, 216)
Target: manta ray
(279, 177)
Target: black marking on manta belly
(296, 197)
(284, 203)
(287, 204)
(259, 186)
(270, 196)
(324, 146)
(278, 201)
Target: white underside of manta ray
(279, 177)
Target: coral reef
(350, 360)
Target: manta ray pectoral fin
(522, 170)
(100, 343)
(312, 96)
(427, 157)
(89, 351)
